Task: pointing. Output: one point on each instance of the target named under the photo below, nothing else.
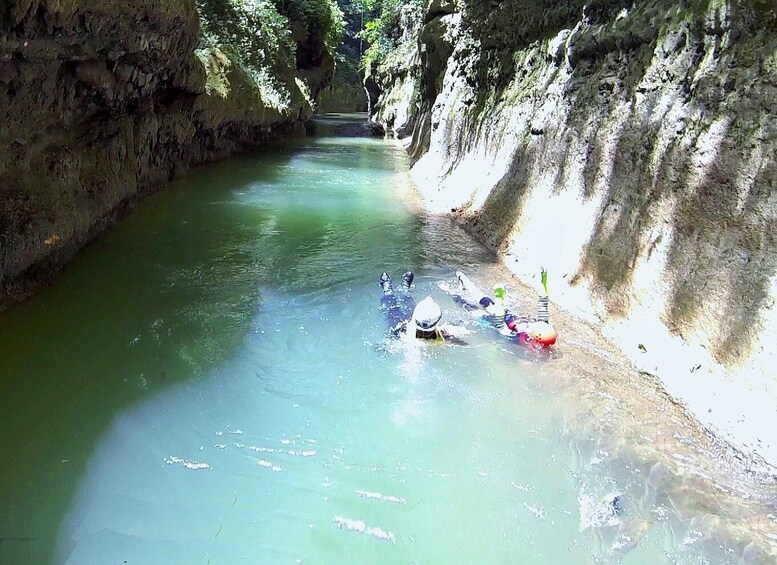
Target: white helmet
(427, 315)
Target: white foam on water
(195, 465)
(594, 512)
(262, 449)
(269, 465)
(379, 496)
(362, 528)
(522, 488)
(538, 511)
(308, 453)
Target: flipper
(469, 291)
(385, 282)
(461, 297)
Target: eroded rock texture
(103, 101)
(627, 146)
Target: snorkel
(499, 297)
(542, 331)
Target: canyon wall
(628, 147)
(102, 102)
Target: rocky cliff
(346, 92)
(628, 146)
(103, 101)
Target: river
(213, 382)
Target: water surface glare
(212, 382)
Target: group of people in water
(425, 320)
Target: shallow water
(212, 382)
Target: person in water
(423, 322)
(536, 331)
(398, 303)
(426, 323)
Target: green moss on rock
(106, 100)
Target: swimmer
(536, 331)
(426, 323)
(421, 320)
(398, 305)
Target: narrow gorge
(275, 276)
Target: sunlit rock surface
(629, 148)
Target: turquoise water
(212, 382)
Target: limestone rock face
(627, 146)
(103, 101)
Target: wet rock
(376, 129)
(368, 129)
(438, 8)
(557, 47)
(617, 505)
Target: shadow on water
(164, 298)
(142, 309)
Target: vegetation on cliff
(104, 101)
(388, 30)
(376, 31)
(269, 41)
(346, 93)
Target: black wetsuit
(398, 304)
